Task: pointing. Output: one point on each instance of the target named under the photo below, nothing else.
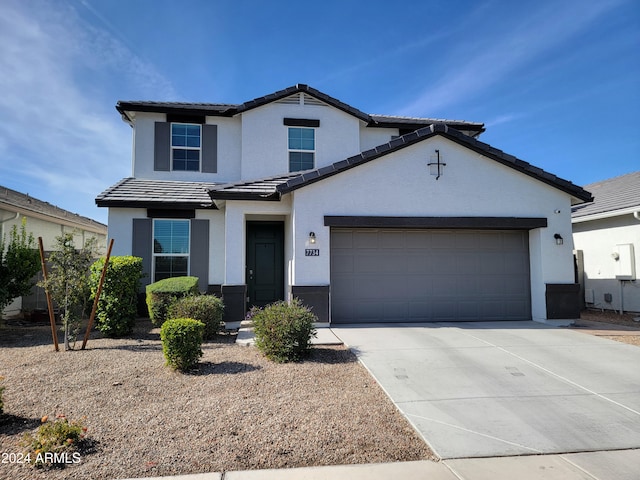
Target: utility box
(626, 262)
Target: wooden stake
(95, 300)
(52, 318)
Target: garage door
(395, 275)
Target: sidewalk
(612, 465)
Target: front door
(265, 263)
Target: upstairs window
(170, 248)
(302, 146)
(185, 146)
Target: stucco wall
(121, 230)
(236, 216)
(228, 151)
(265, 137)
(471, 185)
(598, 239)
(372, 137)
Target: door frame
(252, 227)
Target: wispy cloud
(60, 138)
(508, 49)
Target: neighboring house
(46, 221)
(366, 218)
(606, 234)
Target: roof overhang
(610, 214)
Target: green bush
(284, 330)
(161, 294)
(182, 342)
(58, 437)
(206, 308)
(118, 305)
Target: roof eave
(154, 204)
(603, 215)
(271, 197)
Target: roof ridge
(231, 109)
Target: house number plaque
(312, 252)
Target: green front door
(265, 263)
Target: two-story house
(366, 218)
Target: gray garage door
(392, 275)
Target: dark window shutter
(162, 147)
(141, 247)
(199, 254)
(210, 149)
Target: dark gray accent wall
(301, 122)
(141, 247)
(170, 213)
(315, 297)
(563, 301)
(209, 148)
(162, 147)
(234, 298)
(199, 255)
(180, 118)
(474, 223)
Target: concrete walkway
(612, 465)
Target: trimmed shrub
(206, 308)
(161, 294)
(182, 342)
(284, 330)
(118, 305)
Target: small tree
(19, 262)
(68, 282)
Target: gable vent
(309, 100)
(301, 99)
(292, 100)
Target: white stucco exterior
(472, 185)
(265, 138)
(598, 239)
(252, 149)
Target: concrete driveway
(490, 389)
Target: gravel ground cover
(609, 317)
(237, 411)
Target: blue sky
(556, 82)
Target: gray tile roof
(617, 193)
(273, 188)
(415, 123)
(138, 193)
(229, 110)
(263, 189)
(14, 200)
